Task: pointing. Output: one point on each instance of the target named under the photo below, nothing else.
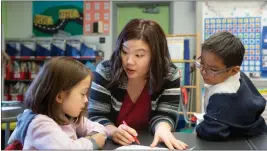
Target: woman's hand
(123, 135)
(163, 134)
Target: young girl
(55, 102)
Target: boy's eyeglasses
(208, 71)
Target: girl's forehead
(85, 83)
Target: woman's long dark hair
(151, 33)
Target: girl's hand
(100, 139)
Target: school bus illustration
(43, 20)
(68, 14)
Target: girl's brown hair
(151, 33)
(57, 75)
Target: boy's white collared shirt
(231, 85)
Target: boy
(232, 104)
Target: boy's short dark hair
(226, 46)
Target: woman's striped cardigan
(105, 103)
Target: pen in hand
(135, 138)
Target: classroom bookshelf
(28, 56)
(194, 87)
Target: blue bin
(56, 51)
(181, 123)
(25, 51)
(42, 51)
(72, 51)
(87, 51)
(11, 49)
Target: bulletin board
(248, 29)
(57, 17)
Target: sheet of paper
(133, 147)
(141, 147)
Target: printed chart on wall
(176, 50)
(264, 51)
(97, 17)
(54, 17)
(248, 29)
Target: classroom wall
(3, 15)
(235, 9)
(127, 13)
(184, 21)
(19, 21)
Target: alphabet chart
(248, 29)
